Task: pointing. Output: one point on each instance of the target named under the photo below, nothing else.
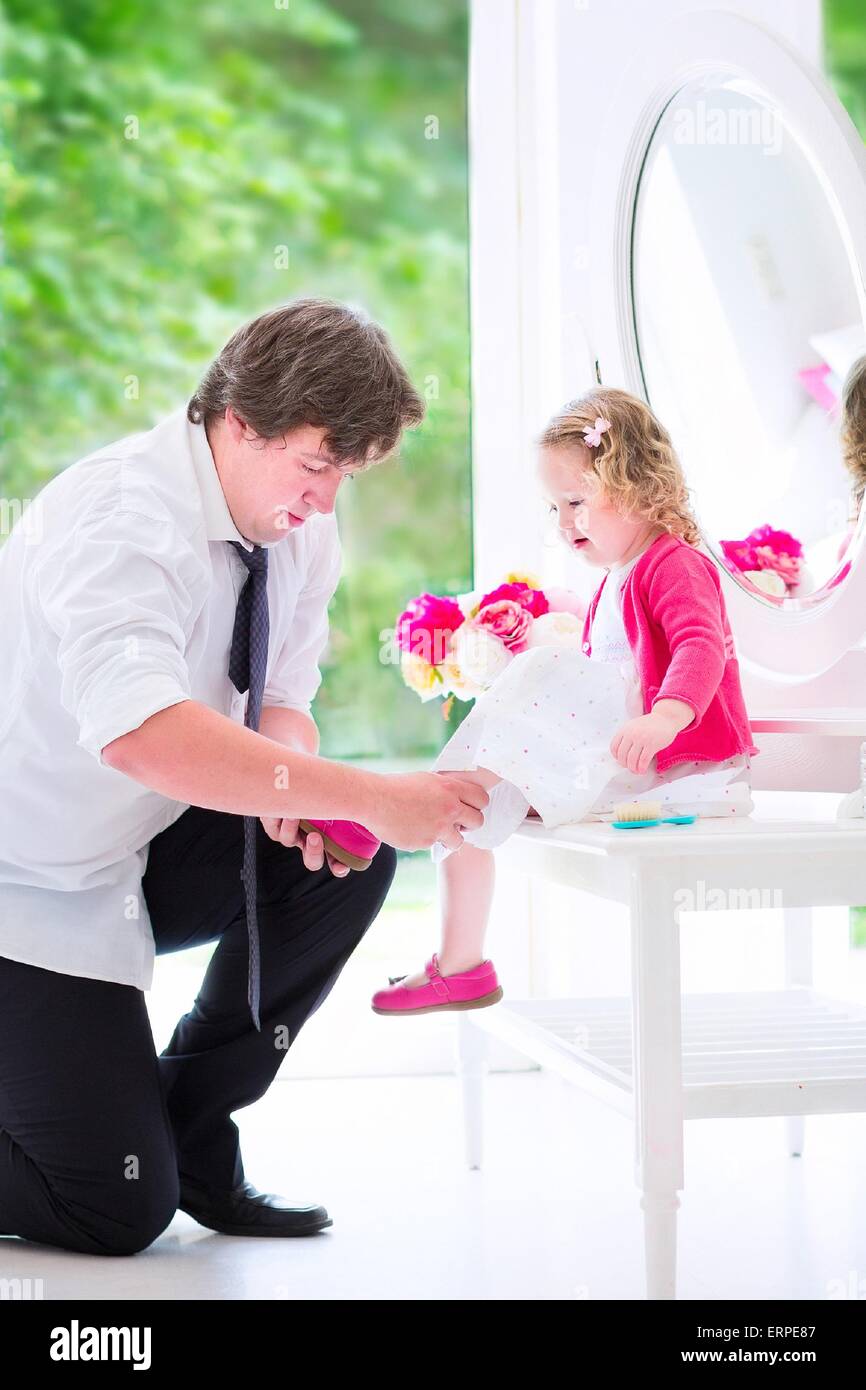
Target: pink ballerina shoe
(468, 989)
(346, 840)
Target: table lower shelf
(783, 1052)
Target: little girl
(649, 704)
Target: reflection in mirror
(749, 321)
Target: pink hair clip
(592, 434)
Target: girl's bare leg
(466, 881)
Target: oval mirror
(748, 316)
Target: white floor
(553, 1215)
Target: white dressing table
(662, 1058)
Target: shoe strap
(433, 974)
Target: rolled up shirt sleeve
(295, 676)
(121, 597)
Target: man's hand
(635, 745)
(415, 809)
(314, 854)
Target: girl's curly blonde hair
(853, 430)
(635, 461)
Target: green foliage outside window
(169, 171)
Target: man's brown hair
(313, 362)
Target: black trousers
(96, 1131)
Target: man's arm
(292, 727)
(191, 753)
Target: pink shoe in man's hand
(346, 840)
(467, 989)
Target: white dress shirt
(118, 591)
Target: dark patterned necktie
(247, 667)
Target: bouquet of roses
(772, 560)
(458, 646)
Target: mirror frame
(774, 641)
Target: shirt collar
(219, 525)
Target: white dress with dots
(545, 727)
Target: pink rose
(533, 600)
(767, 549)
(776, 540)
(739, 554)
(507, 620)
(788, 566)
(424, 628)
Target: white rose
(556, 630)
(479, 655)
(420, 676)
(456, 683)
(466, 602)
(768, 580)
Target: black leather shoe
(245, 1211)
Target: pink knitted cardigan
(677, 626)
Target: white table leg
(798, 971)
(660, 1243)
(795, 1134)
(657, 1069)
(471, 1067)
(798, 945)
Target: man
(165, 607)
